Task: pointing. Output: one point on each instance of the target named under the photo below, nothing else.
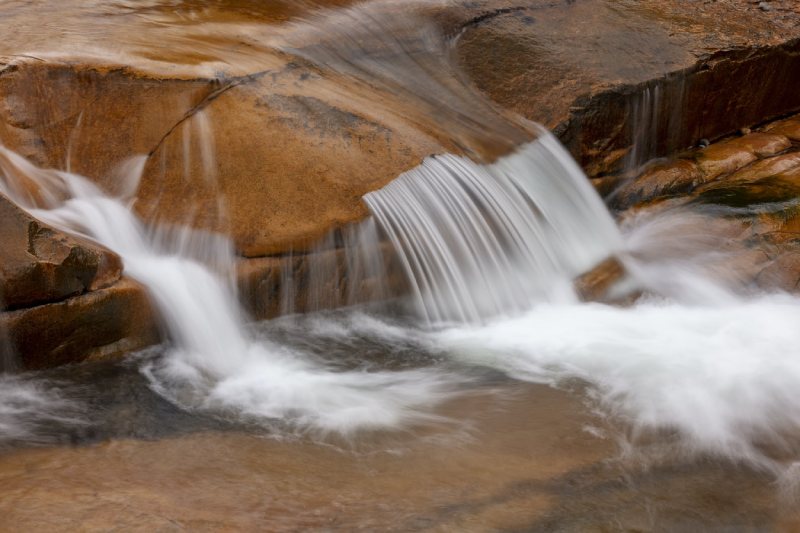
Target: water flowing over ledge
(479, 241)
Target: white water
(479, 241)
(30, 407)
(212, 363)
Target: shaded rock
(99, 324)
(298, 283)
(39, 264)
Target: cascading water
(213, 363)
(480, 241)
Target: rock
(293, 157)
(564, 69)
(723, 158)
(662, 180)
(99, 324)
(39, 264)
(783, 273)
(597, 285)
(304, 282)
(789, 127)
(765, 168)
(771, 180)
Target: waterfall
(478, 241)
(211, 361)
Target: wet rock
(100, 324)
(724, 158)
(597, 285)
(783, 273)
(789, 127)
(292, 159)
(665, 179)
(565, 70)
(768, 181)
(314, 281)
(39, 264)
(765, 168)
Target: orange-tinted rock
(766, 168)
(723, 158)
(583, 67)
(292, 160)
(762, 144)
(665, 179)
(90, 119)
(597, 284)
(783, 273)
(771, 180)
(297, 283)
(99, 324)
(789, 127)
(39, 264)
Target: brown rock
(39, 264)
(766, 168)
(783, 273)
(762, 144)
(99, 324)
(789, 127)
(595, 73)
(293, 159)
(297, 283)
(597, 284)
(665, 179)
(723, 158)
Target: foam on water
(30, 407)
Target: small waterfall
(656, 121)
(484, 240)
(212, 362)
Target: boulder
(99, 324)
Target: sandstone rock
(99, 324)
(297, 283)
(39, 264)
(783, 273)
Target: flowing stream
(688, 360)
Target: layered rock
(746, 188)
